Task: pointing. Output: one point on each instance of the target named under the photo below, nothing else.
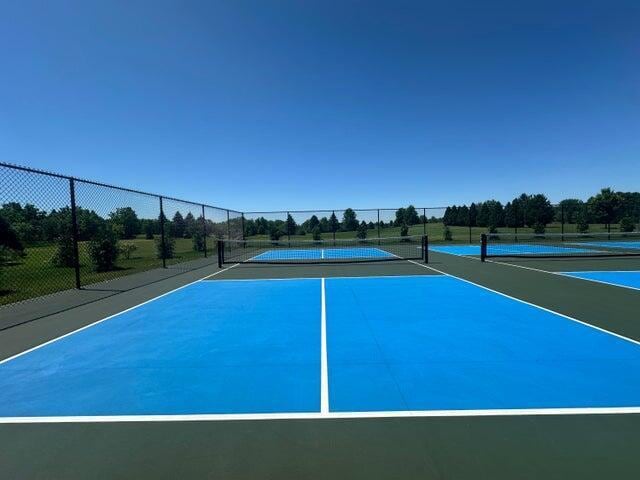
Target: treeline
(314, 225)
(536, 211)
(22, 226)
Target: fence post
(334, 229)
(469, 223)
(288, 230)
(204, 232)
(483, 247)
(242, 220)
(424, 221)
(228, 226)
(562, 220)
(378, 226)
(74, 232)
(162, 238)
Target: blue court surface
(629, 279)
(376, 344)
(614, 244)
(510, 249)
(322, 253)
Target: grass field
(35, 275)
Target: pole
(562, 220)
(288, 230)
(228, 226)
(425, 243)
(424, 221)
(378, 226)
(204, 232)
(74, 232)
(162, 239)
(220, 253)
(483, 247)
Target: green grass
(435, 231)
(35, 274)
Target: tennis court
(403, 367)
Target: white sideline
(109, 317)
(505, 412)
(531, 304)
(324, 375)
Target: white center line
(324, 376)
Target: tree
(9, 238)
(316, 233)
(334, 224)
(313, 222)
(291, 225)
(198, 240)
(103, 250)
(605, 206)
(627, 224)
(400, 217)
(446, 234)
(582, 223)
(65, 252)
(411, 216)
(568, 210)
(190, 225)
(178, 225)
(127, 249)
(463, 216)
(349, 220)
(128, 220)
(473, 214)
(404, 231)
(362, 230)
(276, 232)
(167, 248)
(149, 230)
(538, 211)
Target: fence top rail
(106, 185)
(267, 212)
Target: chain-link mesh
(36, 251)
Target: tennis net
(559, 245)
(323, 251)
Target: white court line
(110, 317)
(594, 280)
(324, 375)
(320, 278)
(636, 342)
(221, 417)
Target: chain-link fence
(59, 233)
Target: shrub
(166, 249)
(582, 226)
(362, 231)
(275, 233)
(404, 231)
(316, 233)
(103, 250)
(446, 234)
(198, 240)
(492, 229)
(65, 255)
(127, 249)
(148, 231)
(539, 228)
(627, 224)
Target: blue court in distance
(614, 244)
(510, 249)
(348, 253)
(418, 343)
(628, 279)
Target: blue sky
(297, 105)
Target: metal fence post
(228, 226)
(242, 221)
(288, 230)
(204, 232)
(333, 228)
(74, 232)
(562, 220)
(378, 226)
(162, 238)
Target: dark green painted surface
(520, 447)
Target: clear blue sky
(294, 105)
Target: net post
(204, 233)
(483, 247)
(162, 238)
(74, 232)
(425, 246)
(220, 253)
